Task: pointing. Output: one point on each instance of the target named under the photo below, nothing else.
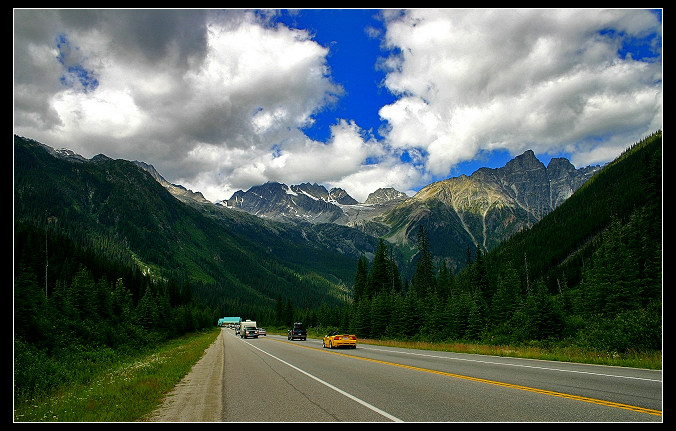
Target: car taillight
(352, 337)
(337, 337)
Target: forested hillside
(589, 274)
(105, 258)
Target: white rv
(247, 328)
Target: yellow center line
(493, 382)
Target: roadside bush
(634, 330)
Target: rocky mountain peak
(303, 202)
(385, 195)
(340, 196)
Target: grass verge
(647, 360)
(131, 389)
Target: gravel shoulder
(198, 397)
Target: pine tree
(122, 302)
(82, 294)
(380, 278)
(414, 322)
(361, 278)
(480, 272)
(476, 320)
(29, 304)
(399, 317)
(380, 314)
(104, 299)
(396, 285)
(424, 280)
(506, 298)
(543, 317)
(279, 310)
(445, 283)
(145, 311)
(458, 314)
(360, 322)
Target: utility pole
(46, 257)
(48, 220)
(525, 260)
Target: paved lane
(271, 379)
(436, 386)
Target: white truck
(247, 328)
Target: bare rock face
(305, 202)
(384, 196)
(486, 207)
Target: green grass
(647, 360)
(128, 391)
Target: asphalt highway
(271, 379)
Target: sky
(223, 100)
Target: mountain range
(459, 213)
(482, 209)
(128, 212)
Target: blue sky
(354, 64)
(354, 53)
(222, 100)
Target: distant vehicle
(249, 331)
(338, 339)
(298, 331)
(262, 331)
(247, 328)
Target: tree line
(616, 308)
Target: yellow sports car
(338, 339)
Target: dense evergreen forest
(93, 305)
(589, 274)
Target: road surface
(271, 379)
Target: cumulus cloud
(219, 100)
(547, 80)
(207, 97)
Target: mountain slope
(117, 205)
(588, 275)
(304, 202)
(485, 208)
(566, 236)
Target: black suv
(298, 331)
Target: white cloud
(217, 100)
(547, 80)
(389, 173)
(215, 113)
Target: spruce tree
(424, 280)
(380, 279)
(380, 314)
(445, 283)
(506, 298)
(361, 278)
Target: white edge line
(516, 365)
(340, 391)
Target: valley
(110, 260)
